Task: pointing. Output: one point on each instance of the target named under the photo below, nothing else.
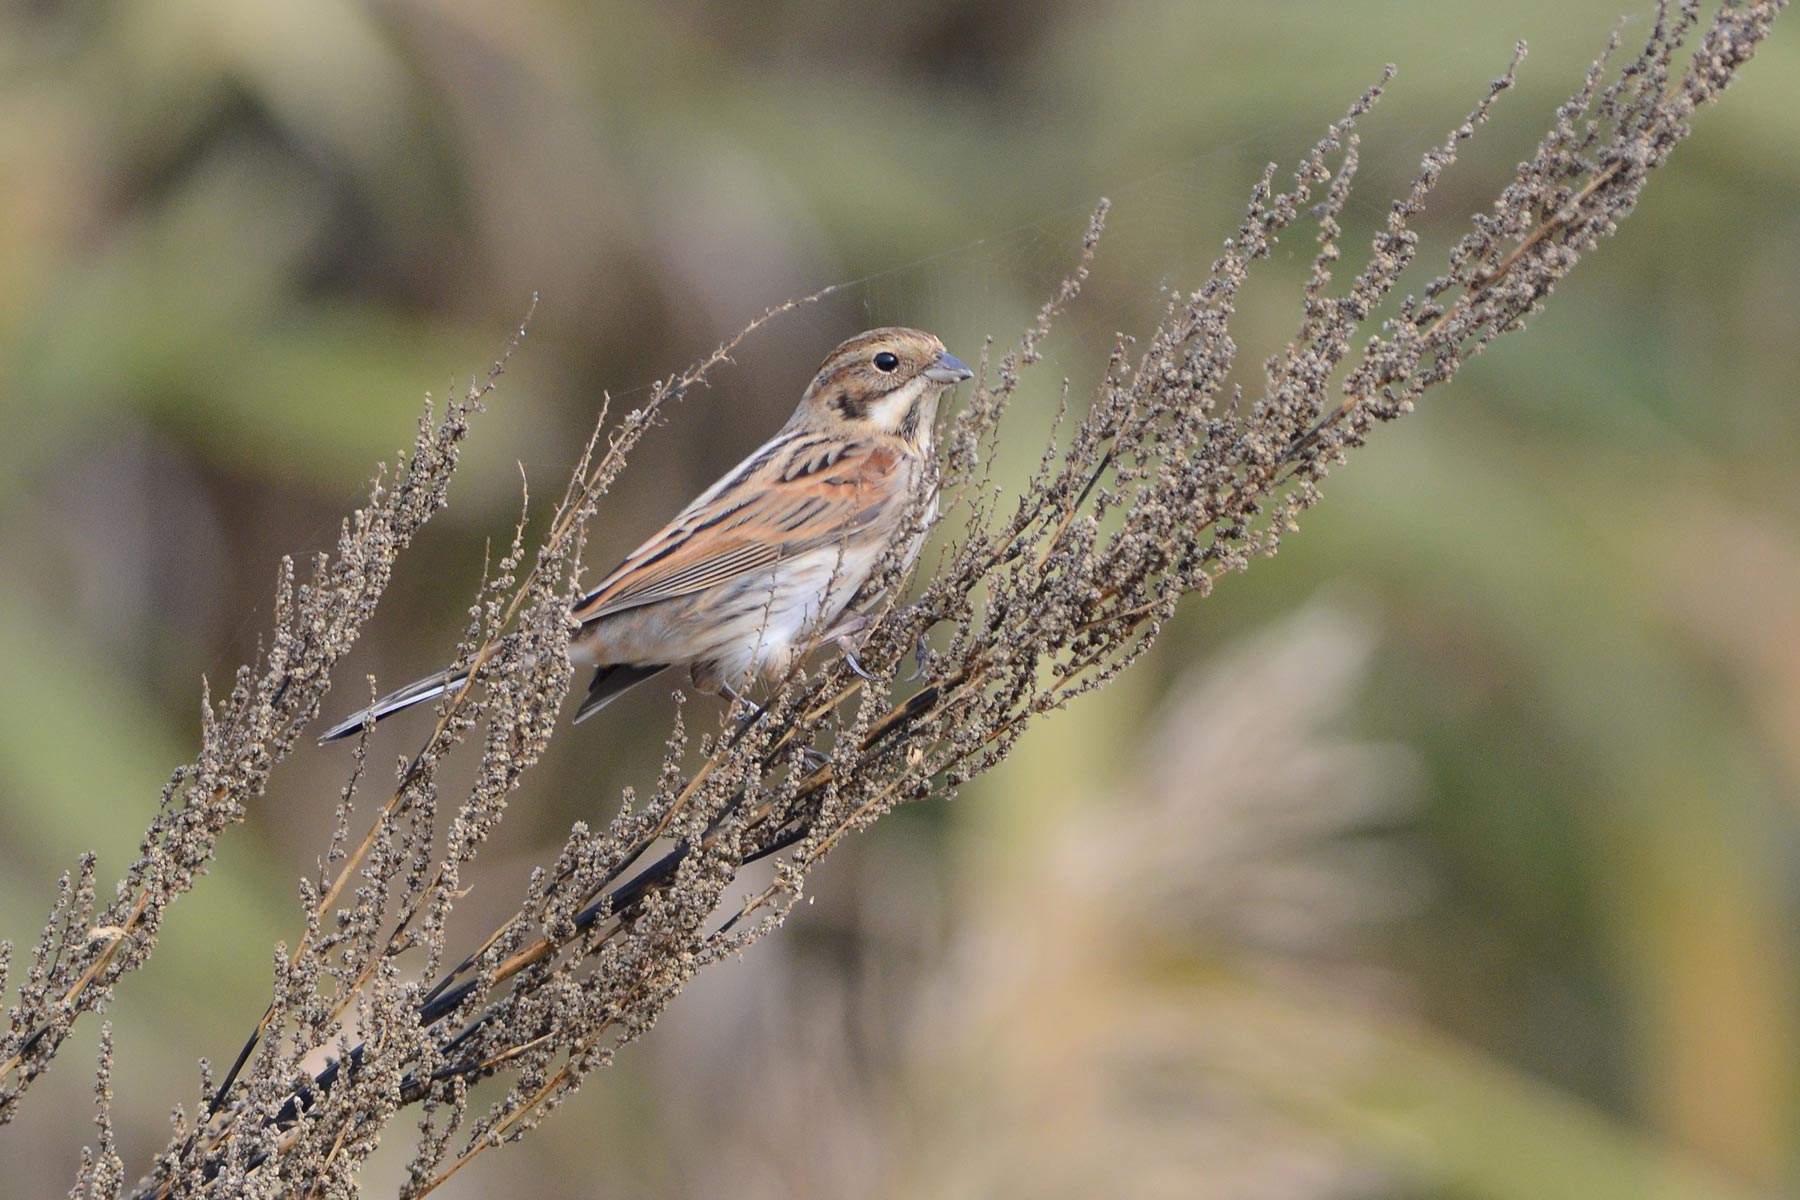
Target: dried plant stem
(1169, 479)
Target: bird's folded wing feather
(797, 494)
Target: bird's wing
(800, 492)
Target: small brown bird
(778, 555)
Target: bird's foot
(851, 661)
(847, 637)
(734, 698)
(920, 649)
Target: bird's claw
(920, 649)
(848, 636)
(850, 660)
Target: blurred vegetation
(238, 240)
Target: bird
(778, 557)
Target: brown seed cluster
(87, 947)
(1170, 476)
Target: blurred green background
(1451, 853)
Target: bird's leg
(734, 698)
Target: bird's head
(883, 381)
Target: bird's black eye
(886, 361)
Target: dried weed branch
(84, 950)
(1169, 478)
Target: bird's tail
(611, 682)
(416, 692)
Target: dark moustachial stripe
(909, 424)
(848, 385)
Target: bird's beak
(948, 369)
